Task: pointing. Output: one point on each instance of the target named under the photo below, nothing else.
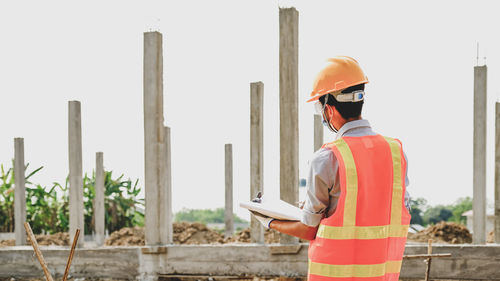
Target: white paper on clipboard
(277, 209)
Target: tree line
(424, 214)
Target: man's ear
(331, 111)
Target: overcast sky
(419, 58)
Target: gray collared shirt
(323, 183)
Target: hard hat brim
(317, 96)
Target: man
(356, 209)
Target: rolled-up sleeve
(407, 183)
(319, 183)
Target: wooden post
(38, 253)
(256, 153)
(428, 260)
(99, 208)
(76, 219)
(19, 192)
(289, 122)
(71, 254)
(229, 217)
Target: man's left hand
(264, 220)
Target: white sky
(419, 57)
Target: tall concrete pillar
(318, 132)
(256, 153)
(99, 209)
(229, 217)
(166, 215)
(154, 133)
(479, 194)
(289, 115)
(19, 192)
(497, 173)
(76, 219)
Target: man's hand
(264, 220)
(295, 228)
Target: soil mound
(491, 237)
(7, 243)
(58, 239)
(127, 236)
(448, 232)
(195, 233)
(184, 233)
(244, 236)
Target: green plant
(461, 206)
(418, 206)
(204, 216)
(6, 200)
(44, 209)
(47, 209)
(120, 202)
(40, 204)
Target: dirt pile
(127, 236)
(270, 236)
(7, 243)
(184, 233)
(58, 239)
(448, 232)
(491, 237)
(195, 233)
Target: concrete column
(479, 194)
(76, 219)
(99, 209)
(154, 155)
(229, 217)
(19, 192)
(497, 173)
(256, 153)
(318, 132)
(289, 123)
(166, 216)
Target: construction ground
(202, 253)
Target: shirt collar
(352, 125)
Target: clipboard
(277, 209)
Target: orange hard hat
(341, 72)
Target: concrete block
(468, 262)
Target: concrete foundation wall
(467, 261)
(109, 262)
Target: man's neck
(344, 121)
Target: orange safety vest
(365, 238)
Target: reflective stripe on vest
(366, 240)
